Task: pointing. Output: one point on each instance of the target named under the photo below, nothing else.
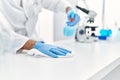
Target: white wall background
(45, 26)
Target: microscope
(85, 32)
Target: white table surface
(90, 61)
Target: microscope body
(86, 32)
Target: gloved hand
(73, 18)
(50, 50)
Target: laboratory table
(88, 61)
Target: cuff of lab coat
(62, 5)
(19, 42)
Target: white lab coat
(18, 20)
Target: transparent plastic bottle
(117, 31)
(118, 34)
(0, 48)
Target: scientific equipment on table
(69, 31)
(91, 14)
(116, 33)
(84, 32)
(104, 32)
(73, 20)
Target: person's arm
(10, 40)
(28, 45)
(56, 5)
(67, 9)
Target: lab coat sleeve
(9, 40)
(55, 5)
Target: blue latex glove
(73, 18)
(51, 50)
